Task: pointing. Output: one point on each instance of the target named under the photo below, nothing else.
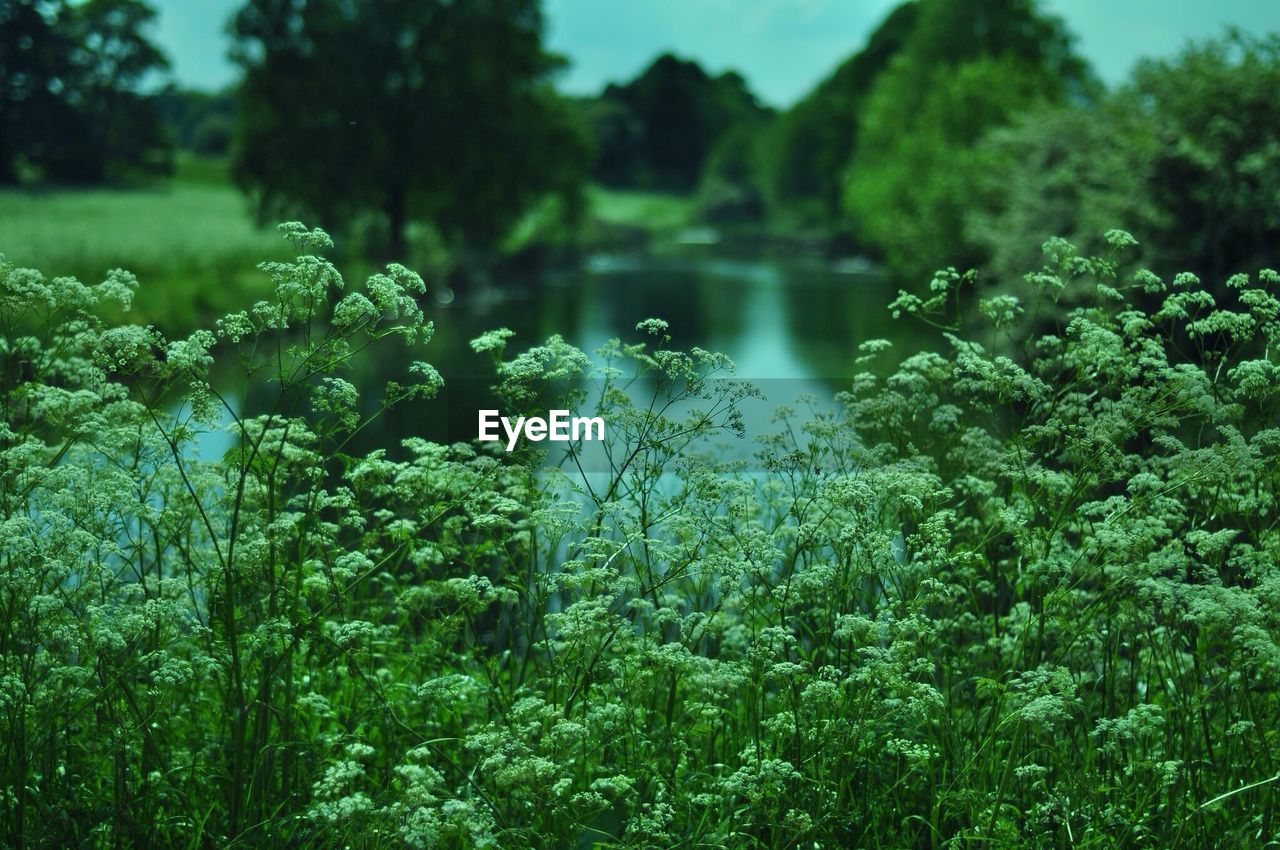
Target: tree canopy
(1216, 172)
(968, 66)
(1186, 154)
(811, 143)
(432, 110)
(659, 130)
(71, 108)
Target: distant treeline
(675, 127)
(198, 121)
(966, 133)
(962, 132)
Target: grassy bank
(193, 241)
(190, 239)
(654, 211)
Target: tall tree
(33, 53)
(968, 66)
(112, 58)
(70, 100)
(412, 108)
(811, 143)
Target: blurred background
(765, 175)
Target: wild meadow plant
(1019, 591)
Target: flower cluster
(1019, 587)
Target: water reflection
(794, 326)
(776, 319)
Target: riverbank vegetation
(1022, 591)
(961, 133)
(1007, 577)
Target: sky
(782, 47)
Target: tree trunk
(397, 216)
(8, 171)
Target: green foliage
(1187, 150)
(966, 68)
(70, 106)
(436, 111)
(655, 210)
(1019, 590)
(729, 188)
(913, 178)
(657, 131)
(1062, 170)
(1217, 176)
(948, 33)
(199, 121)
(191, 241)
(810, 144)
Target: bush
(1023, 591)
(1063, 170)
(1186, 152)
(966, 68)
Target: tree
(657, 131)
(435, 110)
(31, 54)
(910, 190)
(1216, 172)
(810, 144)
(1185, 155)
(968, 66)
(617, 137)
(112, 58)
(70, 105)
(199, 121)
(1069, 170)
(729, 188)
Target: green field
(648, 210)
(191, 241)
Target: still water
(777, 319)
(791, 325)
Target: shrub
(1186, 151)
